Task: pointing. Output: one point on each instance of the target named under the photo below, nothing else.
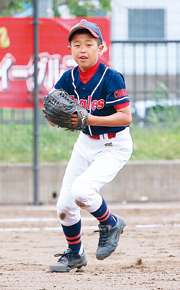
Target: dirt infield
(147, 257)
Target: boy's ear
(70, 49)
(100, 49)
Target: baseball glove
(59, 107)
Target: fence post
(36, 106)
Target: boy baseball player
(101, 150)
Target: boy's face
(85, 50)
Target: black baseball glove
(59, 107)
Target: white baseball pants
(92, 164)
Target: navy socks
(73, 236)
(104, 216)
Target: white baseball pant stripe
(92, 164)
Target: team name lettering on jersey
(120, 93)
(87, 104)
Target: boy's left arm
(122, 117)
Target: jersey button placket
(84, 89)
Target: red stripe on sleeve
(121, 106)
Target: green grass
(16, 143)
(155, 143)
(55, 144)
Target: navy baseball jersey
(99, 96)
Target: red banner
(17, 61)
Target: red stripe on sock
(102, 220)
(101, 217)
(73, 238)
(75, 242)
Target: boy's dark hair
(84, 31)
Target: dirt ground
(147, 257)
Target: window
(146, 23)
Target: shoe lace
(67, 254)
(103, 235)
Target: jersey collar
(87, 75)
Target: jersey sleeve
(116, 92)
(60, 83)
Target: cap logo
(82, 23)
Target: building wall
(137, 181)
(150, 59)
(120, 16)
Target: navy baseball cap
(91, 27)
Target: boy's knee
(61, 211)
(86, 196)
(79, 191)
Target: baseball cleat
(68, 261)
(109, 237)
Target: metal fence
(152, 73)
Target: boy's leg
(85, 191)
(69, 214)
(85, 188)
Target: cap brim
(80, 27)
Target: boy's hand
(74, 120)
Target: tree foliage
(9, 7)
(87, 7)
(79, 8)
